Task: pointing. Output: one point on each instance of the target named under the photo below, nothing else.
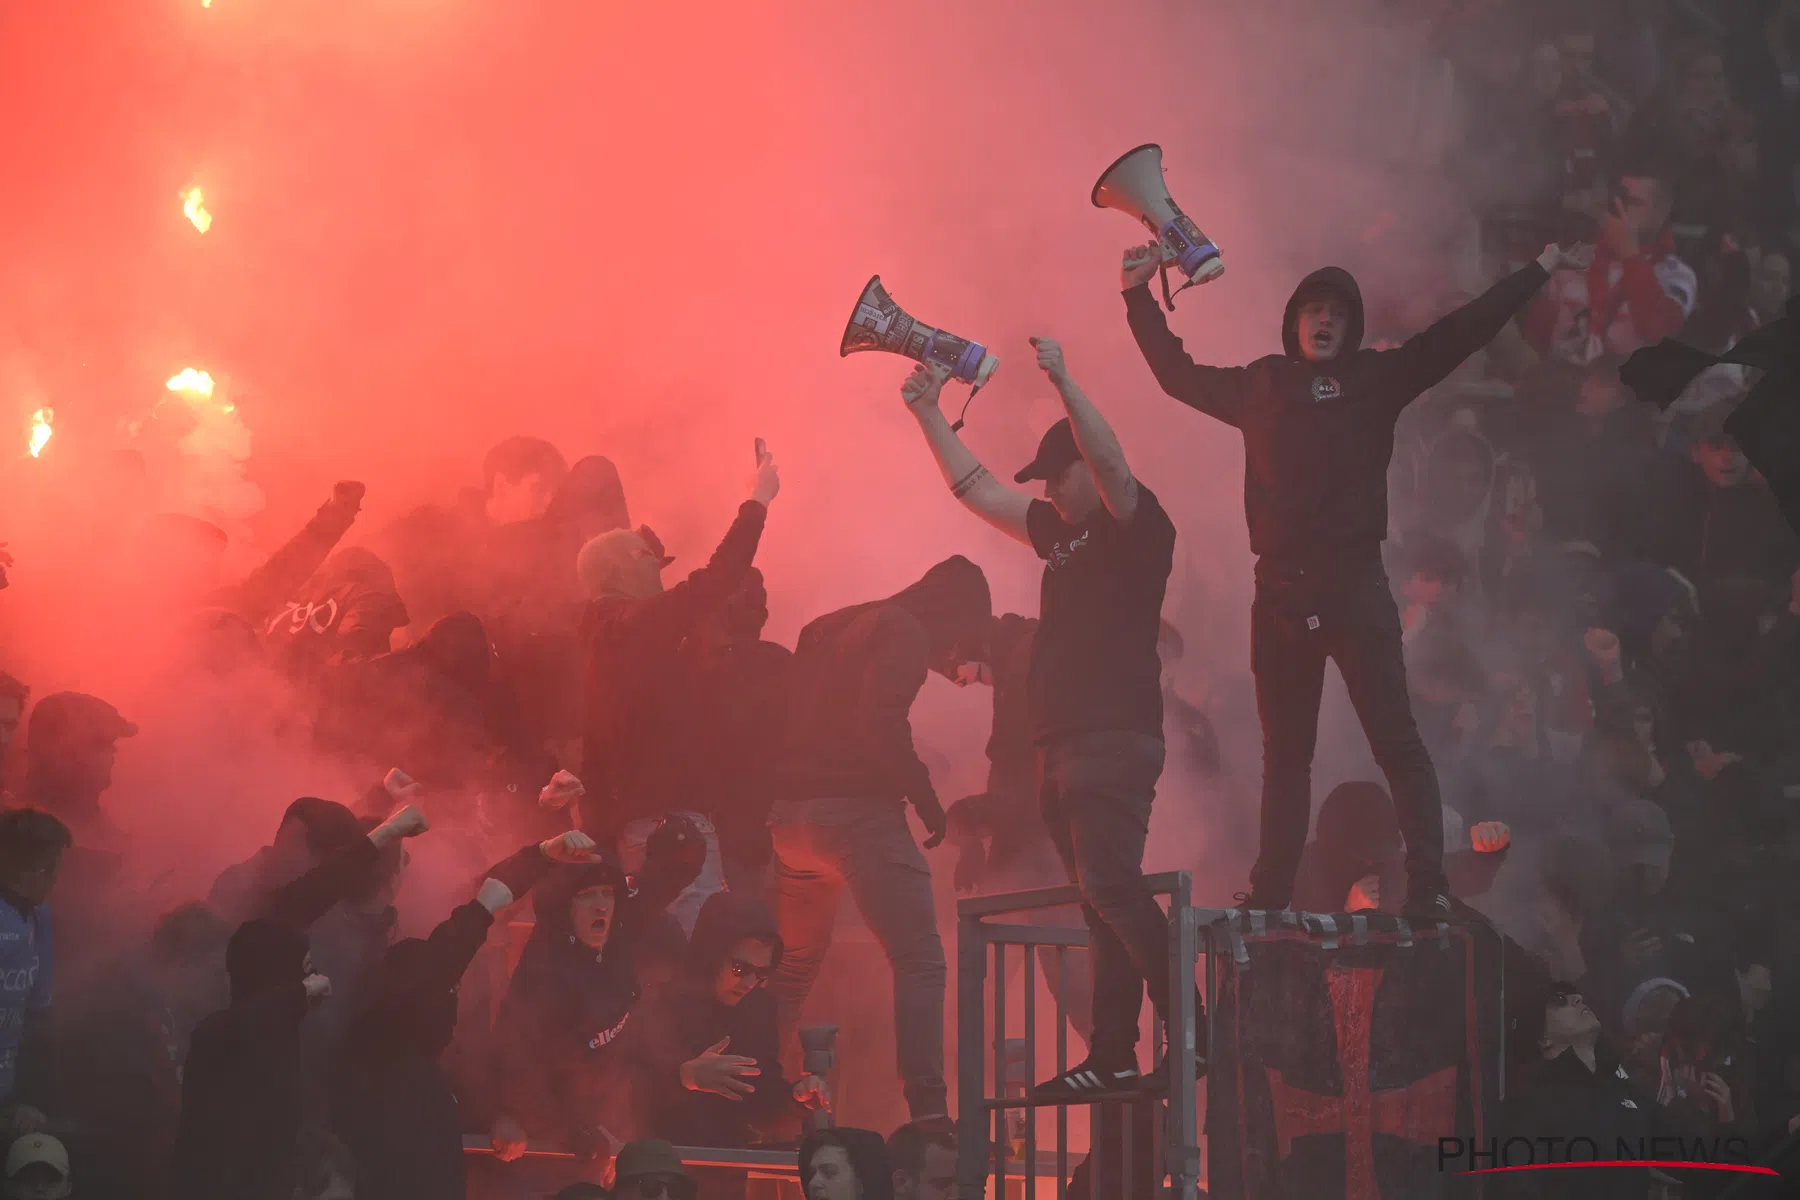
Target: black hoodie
(567, 1007)
(1318, 436)
(692, 1020)
(392, 1102)
(868, 1158)
(241, 1086)
(856, 673)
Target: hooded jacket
(567, 1007)
(692, 1020)
(868, 1159)
(856, 674)
(348, 610)
(635, 736)
(241, 1085)
(1318, 436)
(393, 1104)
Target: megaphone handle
(962, 416)
(1168, 296)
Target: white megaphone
(1134, 185)
(878, 323)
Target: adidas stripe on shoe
(1086, 1080)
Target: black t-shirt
(1094, 664)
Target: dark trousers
(1095, 790)
(1299, 620)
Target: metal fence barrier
(997, 1129)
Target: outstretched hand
(923, 386)
(1571, 258)
(767, 483)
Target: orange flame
(197, 388)
(41, 430)
(193, 204)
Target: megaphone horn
(878, 323)
(1134, 185)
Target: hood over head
(868, 1158)
(1357, 820)
(1333, 280)
(263, 955)
(590, 498)
(725, 918)
(951, 601)
(550, 898)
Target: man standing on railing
(1094, 687)
(1318, 425)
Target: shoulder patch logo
(1324, 387)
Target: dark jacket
(258, 596)
(348, 610)
(635, 741)
(736, 707)
(691, 1020)
(241, 1086)
(856, 674)
(558, 1029)
(392, 1103)
(1561, 1098)
(1318, 436)
(868, 1159)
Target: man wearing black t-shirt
(1094, 689)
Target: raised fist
(562, 790)
(1490, 837)
(571, 847)
(348, 493)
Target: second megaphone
(1134, 185)
(878, 323)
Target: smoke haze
(637, 230)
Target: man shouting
(1318, 425)
(1094, 689)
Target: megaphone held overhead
(878, 323)
(1134, 185)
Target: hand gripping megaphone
(878, 323)
(1134, 185)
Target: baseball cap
(36, 1149)
(1056, 450)
(64, 717)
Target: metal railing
(984, 1139)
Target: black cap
(1056, 450)
(64, 717)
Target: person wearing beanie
(846, 772)
(393, 1104)
(1318, 426)
(846, 1164)
(637, 735)
(1094, 691)
(649, 1169)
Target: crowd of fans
(1600, 601)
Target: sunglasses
(658, 1187)
(743, 970)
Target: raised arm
(261, 593)
(1426, 358)
(999, 505)
(680, 610)
(1095, 439)
(1219, 392)
(311, 896)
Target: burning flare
(193, 203)
(41, 429)
(195, 385)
